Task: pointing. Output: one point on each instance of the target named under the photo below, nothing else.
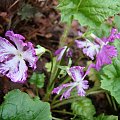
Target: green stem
(55, 70)
(94, 92)
(114, 104)
(108, 98)
(50, 85)
(54, 118)
(64, 36)
(63, 112)
(63, 102)
(58, 103)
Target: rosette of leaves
(88, 12)
(83, 108)
(19, 106)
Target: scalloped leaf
(37, 79)
(84, 108)
(100, 117)
(106, 117)
(88, 12)
(111, 76)
(111, 79)
(19, 106)
(117, 22)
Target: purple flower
(77, 74)
(105, 56)
(14, 55)
(100, 48)
(60, 52)
(89, 48)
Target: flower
(14, 55)
(60, 52)
(89, 48)
(77, 74)
(100, 48)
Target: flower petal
(105, 56)
(76, 73)
(60, 53)
(89, 48)
(17, 39)
(81, 86)
(25, 49)
(29, 55)
(113, 35)
(6, 49)
(66, 94)
(15, 69)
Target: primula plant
(77, 77)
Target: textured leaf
(117, 22)
(106, 117)
(19, 106)
(37, 79)
(102, 30)
(100, 117)
(84, 108)
(88, 12)
(111, 79)
(117, 45)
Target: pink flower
(77, 74)
(100, 48)
(89, 48)
(14, 55)
(60, 52)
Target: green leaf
(102, 30)
(37, 79)
(117, 21)
(106, 117)
(27, 12)
(117, 45)
(111, 79)
(19, 106)
(100, 117)
(88, 12)
(84, 108)
(48, 65)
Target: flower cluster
(100, 48)
(14, 54)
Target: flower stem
(55, 70)
(63, 112)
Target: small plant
(64, 81)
